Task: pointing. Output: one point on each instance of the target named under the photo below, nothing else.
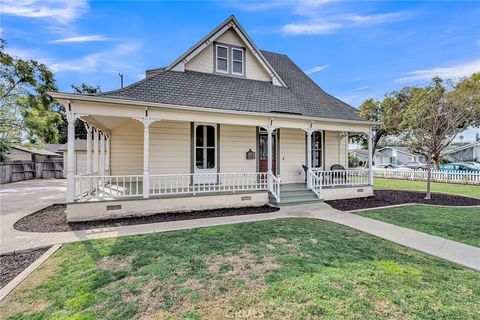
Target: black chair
(305, 168)
(339, 175)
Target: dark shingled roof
(301, 97)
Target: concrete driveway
(19, 199)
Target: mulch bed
(13, 264)
(54, 218)
(383, 198)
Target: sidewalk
(13, 240)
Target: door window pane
(317, 149)
(210, 158)
(210, 136)
(199, 158)
(199, 136)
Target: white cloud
(320, 27)
(85, 38)
(453, 72)
(316, 69)
(111, 60)
(360, 88)
(62, 11)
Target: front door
(263, 152)
(205, 154)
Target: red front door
(263, 153)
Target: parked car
(389, 166)
(415, 165)
(475, 164)
(460, 167)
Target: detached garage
(80, 165)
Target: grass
(283, 269)
(458, 224)
(395, 184)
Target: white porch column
(95, 150)
(270, 130)
(146, 155)
(102, 153)
(309, 132)
(108, 155)
(70, 154)
(89, 148)
(370, 159)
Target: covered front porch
(154, 153)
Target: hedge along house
(224, 125)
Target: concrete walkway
(13, 240)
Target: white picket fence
(453, 176)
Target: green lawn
(458, 224)
(464, 190)
(284, 269)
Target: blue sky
(352, 49)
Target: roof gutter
(69, 96)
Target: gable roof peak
(230, 22)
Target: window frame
(205, 146)
(242, 50)
(227, 59)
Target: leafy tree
(388, 112)
(437, 113)
(27, 111)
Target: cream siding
(126, 148)
(169, 147)
(292, 155)
(335, 149)
(235, 141)
(203, 61)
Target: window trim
(242, 50)
(230, 48)
(205, 147)
(217, 45)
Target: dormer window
(229, 59)
(222, 59)
(237, 61)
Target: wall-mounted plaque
(250, 155)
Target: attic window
(237, 61)
(222, 59)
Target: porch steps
(294, 194)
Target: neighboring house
(80, 164)
(21, 153)
(467, 152)
(224, 120)
(362, 156)
(402, 155)
(54, 147)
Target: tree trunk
(436, 159)
(428, 195)
(375, 139)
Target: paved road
(19, 199)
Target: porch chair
(339, 176)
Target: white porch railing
(450, 176)
(110, 187)
(336, 178)
(275, 186)
(314, 182)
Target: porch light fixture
(250, 154)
